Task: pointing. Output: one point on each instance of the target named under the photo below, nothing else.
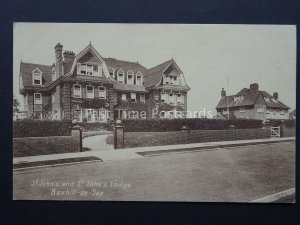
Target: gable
(171, 70)
(89, 58)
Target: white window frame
(163, 99)
(130, 73)
(132, 97)
(110, 69)
(74, 95)
(142, 98)
(171, 98)
(179, 98)
(89, 72)
(39, 73)
(37, 102)
(118, 76)
(139, 75)
(80, 114)
(124, 97)
(102, 119)
(86, 91)
(102, 91)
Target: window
(37, 98)
(89, 91)
(102, 92)
(120, 77)
(142, 97)
(89, 69)
(260, 109)
(103, 115)
(179, 98)
(139, 78)
(242, 109)
(37, 77)
(133, 97)
(175, 80)
(171, 98)
(77, 91)
(111, 72)
(166, 79)
(163, 97)
(130, 77)
(124, 98)
(78, 115)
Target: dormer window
(111, 72)
(130, 77)
(120, 77)
(36, 77)
(139, 78)
(89, 69)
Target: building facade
(252, 103)
(91, 88)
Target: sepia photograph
(154, 112)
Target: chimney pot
(275, 95)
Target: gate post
(118, 129)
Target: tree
(16, 105)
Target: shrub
(159, 125)
(276, 123)
(41, 128)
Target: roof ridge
(160, 64)
(37, 64)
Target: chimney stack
(58, 59)
(254, 88)
(69, 56)
(275, 95)
(223, 93)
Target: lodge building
(91, 88)
(252, 103)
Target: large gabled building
(91, 88)
(252, 103)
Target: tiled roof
(129, 87)
(125, 65)
(153, 75)
(26, 74)
(91, 78)
(249, 100)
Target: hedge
(160, 125)
(95, 126)
(276, 123)
(41, 128)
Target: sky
(211, 57)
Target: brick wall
(66, 100)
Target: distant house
(293, 114)
(252, 103)
(91, 88)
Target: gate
(275, 131)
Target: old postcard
(154, 112)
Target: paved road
(239, 174)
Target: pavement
(135, 153)
(245, 171)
